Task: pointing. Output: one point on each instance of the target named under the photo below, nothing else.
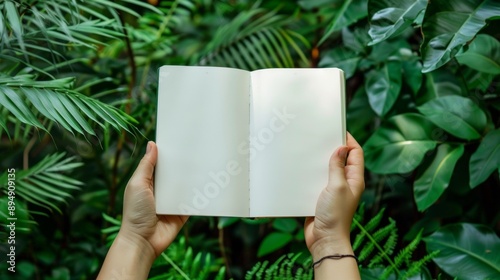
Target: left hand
(140, 223)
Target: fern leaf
(372, 224)
(417, 266)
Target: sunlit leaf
(399, 144)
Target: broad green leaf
(273, 242)
(388, 50)
(333, 24)
(356, 39)
(448, 25)
(346, 14)
(412, 74)
(467, 251)
(485, 159)
(286, 224)
(457, 115)
(399, 145)
(389, 18)
(355, 12)
(342, 58)
(435, 179)
(383, 87)
(438, 83)
(482, 55)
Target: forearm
(127, 259)
(345, 268)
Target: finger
(355, 169)
(337, 165)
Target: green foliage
(78, 82)
(467, 251)
(288, 266)
(448, 26)
(375, 244)
(42, 184)
(435, 179)
(254, 39)
(485, 159)
(389, 18)
(457, 115)
(287, 229)
(406, 137)
(482, 54)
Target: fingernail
(148, 148)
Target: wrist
(331, 246)
(128, 258)
(137, 245)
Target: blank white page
(203, 115)
(297, 121)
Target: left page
(203, 116)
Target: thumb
(146, 167)
(337, 165)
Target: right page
(297, 121)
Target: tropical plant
(78, 87)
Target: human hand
(140, 223)
(143, 235)
(328, 232)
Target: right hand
(329, 231)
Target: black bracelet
(335, 257)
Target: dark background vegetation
(78, 83)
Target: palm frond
(30, 100)
(254, 39)
(43, 184)
(39, 28)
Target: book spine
(343, 106)
(250, 125)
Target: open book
(246, 144)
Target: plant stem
(169, 260)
